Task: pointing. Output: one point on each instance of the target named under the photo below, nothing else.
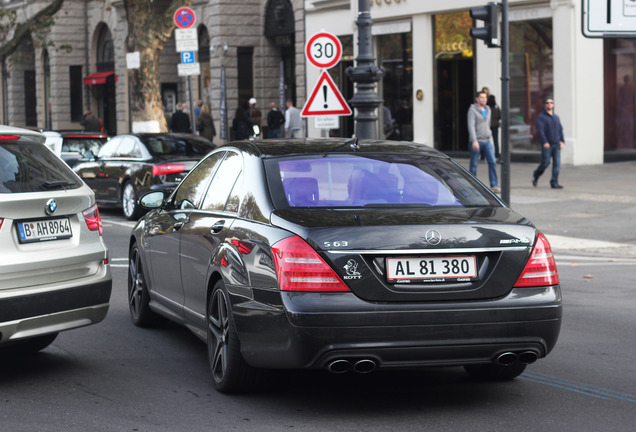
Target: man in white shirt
(293, 121)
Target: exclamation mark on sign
(324, 93)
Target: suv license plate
(44, 230)
(461, 268)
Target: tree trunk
(150, 25)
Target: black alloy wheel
(138, 296)
(230, 372)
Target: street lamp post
(365, 74)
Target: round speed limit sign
(323, 50)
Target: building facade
(257, 44)
(433, 69)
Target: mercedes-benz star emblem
(433, 237)
(51, 206)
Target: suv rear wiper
(54, 184)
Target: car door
(165, 231)
(96, 173)
(204, 233)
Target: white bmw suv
(54, 270)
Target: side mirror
(152, 200)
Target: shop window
(396, 57)
(531, 80)
(620, 65)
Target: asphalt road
(116, 377)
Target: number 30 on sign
(323, 50)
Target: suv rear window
(381, 180)
(30, 167)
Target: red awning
(98, 78)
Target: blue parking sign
(187, 57)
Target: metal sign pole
(505, 104)
(192, 121)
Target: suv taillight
(1, 221)
(92, 218)
(165, 169)
(540, 270)
(300, 268)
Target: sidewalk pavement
(594, 214)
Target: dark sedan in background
(129, 165)
(344, 255)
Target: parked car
(130, 165)
(73, 146)
(54, 270)
(343, 255)
(520, 135)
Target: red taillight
(9, 137)
(93, 221)
(1, 221)
(165, 169)
(541, 268)
(300, 268)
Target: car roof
(273, 148)
(29, 134)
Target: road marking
(587, 390)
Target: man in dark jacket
(551, 135)
(275, 119)
(180, 121)
(91, 123)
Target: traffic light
(490, 16)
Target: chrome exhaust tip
(339, 366)
(507, 358)
(528, 357)
(364, 366)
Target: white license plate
(431, 269)
(44, 230)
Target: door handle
(177, 226)
(217, 227)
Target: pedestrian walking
(90, 123)
(205, 124)
(495, 122)
(241, 125)
(180, 121)
(550, 133)
(197, 110)
(255, 116)
(480, 136)
(293, 121)
(275, 120)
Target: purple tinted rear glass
(356, 181)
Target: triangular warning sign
(326, 99)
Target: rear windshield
(374, 181)
(30, 167)
(178, 146)
(82, 144)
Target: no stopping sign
(323, 50)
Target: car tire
(138, 295)
(30, 346)
(495, 372)
(230, 372)
(129, 204)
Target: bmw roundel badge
(51, 206)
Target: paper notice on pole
(132, 60)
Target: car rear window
(80, 144)
(177, 146)
(31, 167)
(372, 180)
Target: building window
(75, 74)
(531, 79)
(245, 74)
(620, 65)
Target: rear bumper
(311, 330)
(50, 309)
